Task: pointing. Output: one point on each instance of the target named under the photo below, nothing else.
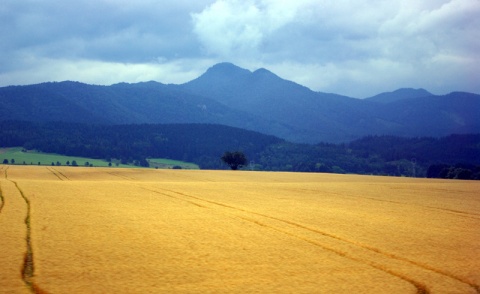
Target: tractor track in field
(58, 174)
(421, 288)
(2, 199)
(28, 269)
(447, 210)
(178, 198)
(121, 176)
(472, 215)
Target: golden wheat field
(106, 230)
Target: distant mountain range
(260, 101)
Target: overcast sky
(357, 48)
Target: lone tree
(234, 159)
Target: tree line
(204, 144)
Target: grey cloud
(357, 48)
(112, 30)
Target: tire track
(28, 269)
(451, 211)
(121, 176)
(471, 214)
(420, 288)
(53, 172)
(177, 198)
(2, 199)
(60, 173)
(369, 248)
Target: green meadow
(169, 163)
(31, 157)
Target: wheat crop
(107, 230)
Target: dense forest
(199, 143)
(454, 156)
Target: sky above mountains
(356, 48)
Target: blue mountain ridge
(259, 101)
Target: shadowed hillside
(259, 101)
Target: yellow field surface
(13, 211)
(107, 230)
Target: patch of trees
(458, 171)
(449, 150)
(330, 158)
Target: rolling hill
(149, 102)
(259, 101)
(400, 94)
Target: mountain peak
(227, 68)
(412, 91)
(400, 94)
(264, 72)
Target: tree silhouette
(234, 159)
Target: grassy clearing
(169, 163)
(110, 230)
(34, 158)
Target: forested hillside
(148, 102)
(204, 144)
(199, 143)
(259, 101)
(328, 117)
